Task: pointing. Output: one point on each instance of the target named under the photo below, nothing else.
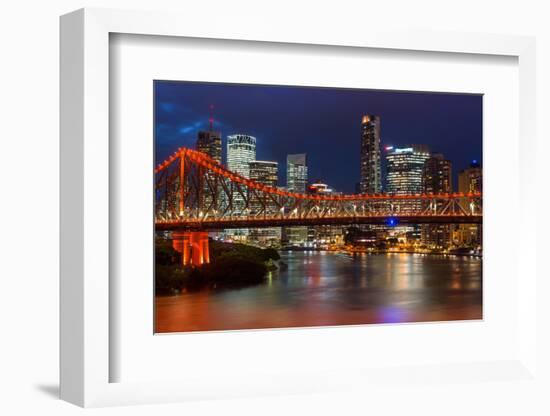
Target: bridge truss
(195, 193)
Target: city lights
(312, 212)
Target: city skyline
(179, 121)
(297, 207)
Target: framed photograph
(293, 210)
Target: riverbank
(429, 253)
(231, 265)
(378, 251)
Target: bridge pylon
(193, 246)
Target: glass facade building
(296, 172)
(296, 181)
(437, 178)
(371, 176)
(210, 143)
(437, 175)
(266, 173)
(324, 236)
(241, 150)
(470, 180)
(404, 169)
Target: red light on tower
(211, 119)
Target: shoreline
(384, 252)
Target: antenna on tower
(211, 119)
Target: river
(328, 288)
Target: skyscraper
(404, 169)
(323, 236)
(404, 177)
(371, 177)
(241, 150)
(296, 181)
(296, 172)
(210, 143)
(437, 178)
(470, 180)
(437, 175)
(266, 173)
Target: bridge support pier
(193, 246)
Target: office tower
(437, 175)
(210, 143)
(296, 181)
(265, 173)
(404, 168)
(324, 236)
(436, 178)
(296, 172)
(371, 177)
(470, 180)
(241, 150)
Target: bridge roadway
(229, 223)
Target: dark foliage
(231, 271)
(232, 265)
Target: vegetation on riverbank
(231, 265)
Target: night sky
(325, 123)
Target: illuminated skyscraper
(241, 150)
(296, 172)
(437, 178)
(470, 180)
(296, 181)
(404, 169)
(323, 236)
(266, 173)
(371, 177)
(404, 177)
(210, 143)
(437, 175)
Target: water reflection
(336, 289)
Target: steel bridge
(194, 194)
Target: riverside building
(266, 173)
(241, 150)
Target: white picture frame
(85, 216)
